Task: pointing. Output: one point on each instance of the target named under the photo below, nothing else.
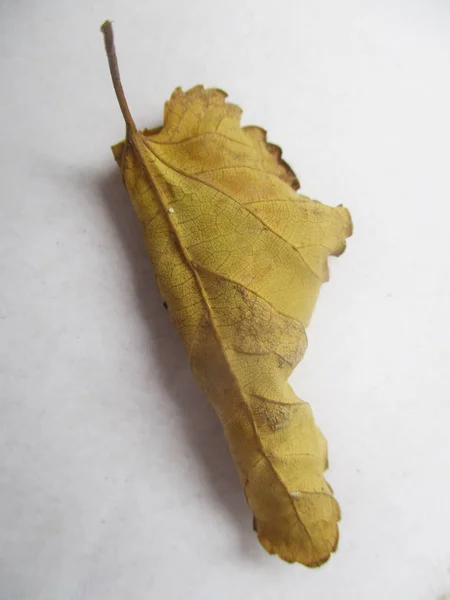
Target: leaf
(239, 258)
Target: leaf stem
(108, 34)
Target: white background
(115, 479)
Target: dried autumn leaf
(239, 258)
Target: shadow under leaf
(200, 423)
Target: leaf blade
(239, 259)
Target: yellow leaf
(239, 258)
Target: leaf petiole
(108, 34)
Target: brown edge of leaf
(276, 152)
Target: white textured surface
(115, 479)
